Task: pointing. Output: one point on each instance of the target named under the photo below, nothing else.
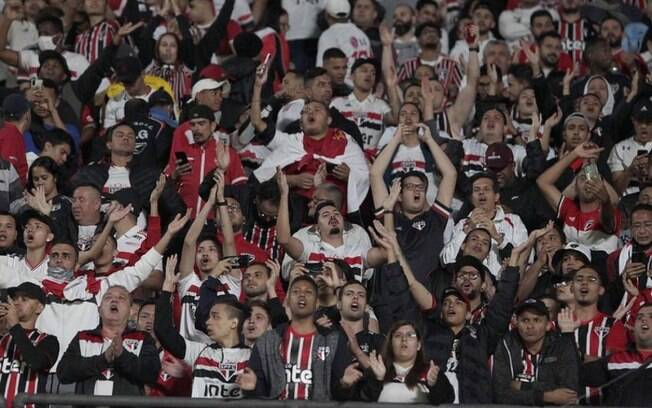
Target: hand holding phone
(182, 158)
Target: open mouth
(114, 308)
(29, 237)
(301, 304)
(354, 307)
(3, 236)
(467, 287)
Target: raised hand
(218, 177)
(178, 222)
(622, 310)
(158, 189)
(386, 35)
(262, 73)
(282, 182)
(171, 278)
(427, 90)
(222, 156)
(377, 365)
(433, 374)
(118, 213)
(554, 119)
(320, 175)
(630, 287)
(390, 201)
(330, 276)
(37, 200)
(125, 30)
(588, 151)
(274, 273)
(566, 321)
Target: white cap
(338, 8)
(571, 246)
(209, 84)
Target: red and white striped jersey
(448, 70)
(90, 43)
(15, 374)
(296, 353)
(573, 38)
(368, 114)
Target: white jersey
(302, 16)
(290, 112)
(15, 270)
(509, 226)
(215, 370)
(367, 114)
(622, 155)
(353, 251)
(349, 39)
(474, 157)
(28, 64)
(114, 111)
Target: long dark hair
(419, 367)
(50, 166)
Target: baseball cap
(213, 71)
(338, 8)
(498, 156)
(642, 110)
(575, 247)
(468, 260)
(577, 115)
(532, 305)
(55, 55)
(201, 112)
(27, 289)
(209, 84)
(15, 105)
(451, 291)
(128, 69)
(32, 214)
(160, 97)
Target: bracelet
(221, 204)
(476, 49)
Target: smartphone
(262, 67)
(241, 261)
(182, 157)
(591, 171)
(267, 58)
(314, 268)
(639, 256)
(330, 167)
(4, 296)
(641, 152)
(37, 83)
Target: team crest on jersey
(132, 345)
(601, 331)
(419, 225)
(323, 352)
(339, 135)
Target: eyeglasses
(560, 284)
(468, 275)
(414, 187)
(588, 279)
(404, 336)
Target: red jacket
(202, 158)
(12, 148)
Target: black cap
(160, 97)
(362, 61)
(128, 69)
(52, 54)
(32, 214)
(201, 112)
(14, 106)
(128, 196)
(532, 305)
(642, 109)
(451, 291)
(472, 261)
(232, 301)
(27, 289)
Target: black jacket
(557, 366)
(129, 372)
(476, 343)
(143, 180)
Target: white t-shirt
(623, 154)
(118, 179)
(302, 16)
(29, 64)
(289, 113)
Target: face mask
(46, 42)
(402, 29)
(59, 273)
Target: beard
(402, 28)
(255, 292)
(334, 231)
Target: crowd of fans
(431, 202)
